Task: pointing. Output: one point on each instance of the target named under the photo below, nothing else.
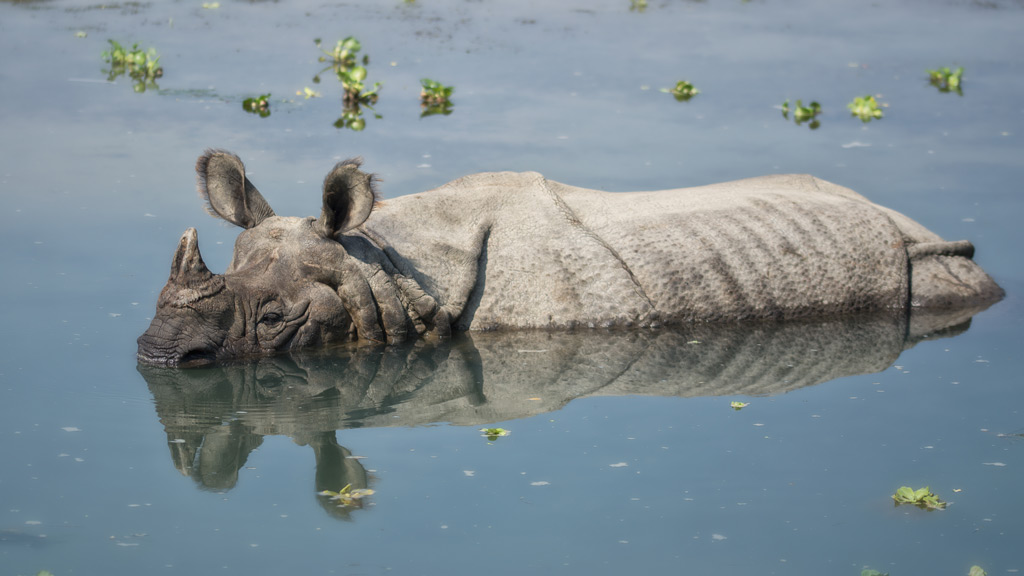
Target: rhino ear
(349, 196)
(228, 193)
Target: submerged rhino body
(517, 251)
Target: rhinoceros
(518, 251)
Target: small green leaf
(683, 91)
(946, 80)
(357, 73)
(977, 571)
(351, 44)
(493, 434)
(922, 498)
(865, 107)
(259, 105)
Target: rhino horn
(190, 279)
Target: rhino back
(769, 247)
(514, 250)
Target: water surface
(624, 455)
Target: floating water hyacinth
(865, 107)
(922, 498)
(347, 497)
(259, 105)
(493, 434)
(344, 53)
(803, 113)
(946, 80)
(142, 67)
(683, 91)
(435, 98)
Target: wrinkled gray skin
(515, 251)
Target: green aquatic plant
(435, 98)
(141, 66)
(922, 498)
(865, 107)
(946, 80)
(352, 118)
(344, 54)
(803, 113)
(345, 62)
(739, 405)
(493, 434)
(977, 571)
(637, 5)
(259, 105)
(347, 497)
(355, 91)
(683, 91)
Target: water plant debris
(435, 98)
(803, 113)
(351, 72)
(946, 79)
(259, 105)
(683, 91)
(865, 107)
(493, 434)
(347, 496)
(922, 498)
(141, 66)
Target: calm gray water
(624, 454)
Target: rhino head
(292, 282)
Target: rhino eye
(271, 318)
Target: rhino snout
(162, 345)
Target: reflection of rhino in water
(519, 251)
(215, 415)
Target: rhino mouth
(194, 358)
(176, 359)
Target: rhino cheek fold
(290, 328)
(358, 301)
